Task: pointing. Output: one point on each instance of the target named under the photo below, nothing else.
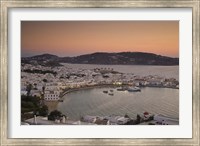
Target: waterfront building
(122, 120)
(154, 82)
(146, 116)
(51, 95)
(89, 119)
(164, 120)
(80, 123)
(116, 120)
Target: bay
(94, 102)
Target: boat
(119, 89)
(122, 89)
(105, 91)
(111, 90)
(111, 94)
(134, 89)
(60, 100)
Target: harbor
(112, 92)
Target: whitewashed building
(50, 95)
(163, 120)
(116, 120)
(89, 119)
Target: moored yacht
(134, 89)
(122, 89)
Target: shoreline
(106, 85)
(88, 87)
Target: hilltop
(121, 58)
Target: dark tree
(54, 114)
(126, 116)
(43, 111)
(28, 89)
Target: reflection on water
(94, 102)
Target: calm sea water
(142, 70)
(94, 102)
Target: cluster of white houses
(107, 120)
(51, 85)
(163, 120)
(146, 119)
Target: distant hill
(44, 60)
(44, 57)
(122, 58)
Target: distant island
(121, 58)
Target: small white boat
(134, 89)
(122, 89)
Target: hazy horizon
(31, 55)
(74, 38)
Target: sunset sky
(73, 38)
